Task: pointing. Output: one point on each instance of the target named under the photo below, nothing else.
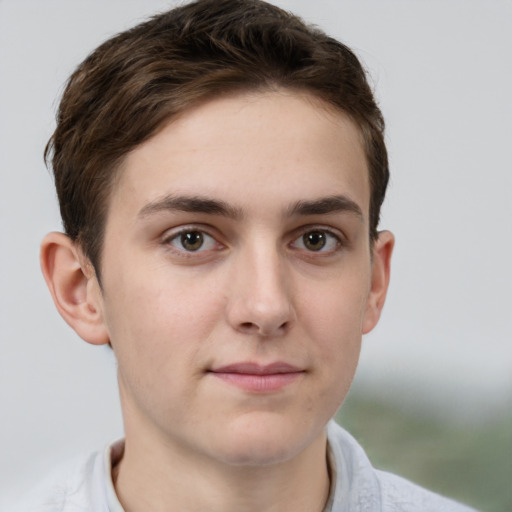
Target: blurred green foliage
(471, 463)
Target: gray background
(443, 75)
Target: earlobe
(74, 287)
(383, 248)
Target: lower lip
(256, 383)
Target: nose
(260, 300)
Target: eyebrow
(326, 205)
(198, 204)
(194, 204)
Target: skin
(236, 238)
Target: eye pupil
(192, 241)
(315, 240)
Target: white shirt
(355, 487)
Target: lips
(258, 378)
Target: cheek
(154, 322)
(158, 333)
(336, 308)
(333, 318)
(160, 299)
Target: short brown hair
(132, 84)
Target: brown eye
(192, 241)
(314, 240)
(318, 240)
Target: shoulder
(360, 487)
(401, 495)
(74, 487)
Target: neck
(163, 478)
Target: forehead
(285, 146)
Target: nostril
(253, 328)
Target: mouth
(256, 378)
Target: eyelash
(331, 238)
(177, 236)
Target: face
(236, 272)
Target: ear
(382, 250)
(74, 287)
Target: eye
(317, 240)
(192, 241)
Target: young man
(220, 171)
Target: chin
(264, 441)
